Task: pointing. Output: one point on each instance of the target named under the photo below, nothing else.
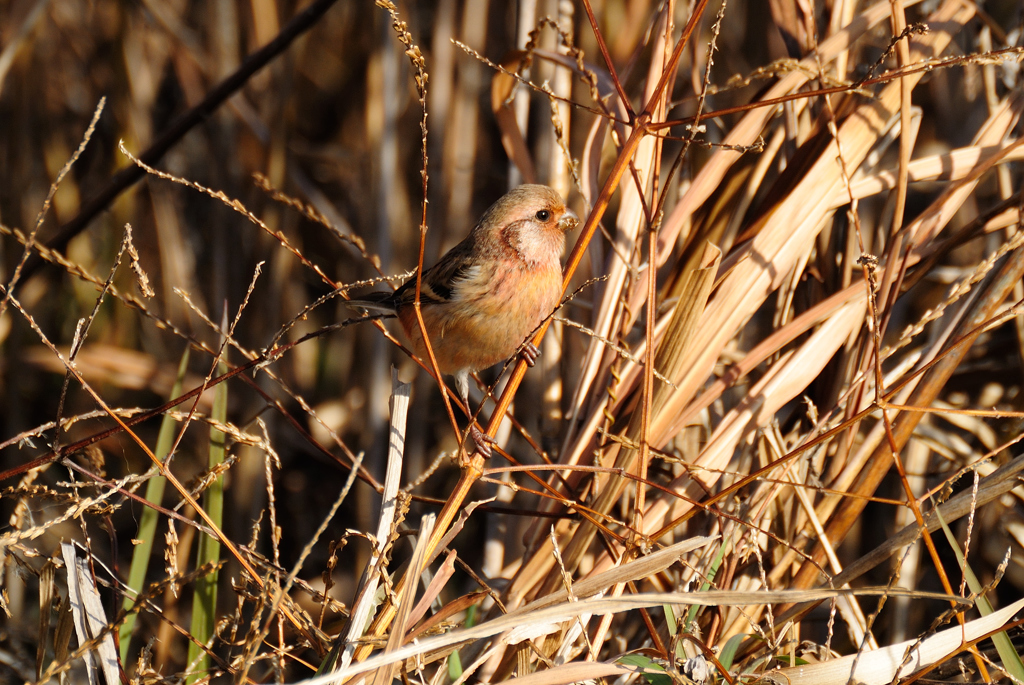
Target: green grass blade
(730, 649)
(150, 517)
(204, 601)
(653, 673)
(692, 612)
(1007, 654)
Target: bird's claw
(530, 353)
(483, 441)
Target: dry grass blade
(91, 625)
(393, 509)
(675, 348)
(575, 672)
(998, 287)
(604, 605)
(903, 659)
(405, 602)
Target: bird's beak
(568, 221)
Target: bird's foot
(529, 353)
(483, 441)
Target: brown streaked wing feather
(439, 281)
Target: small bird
(489, 292)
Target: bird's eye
(543, 215)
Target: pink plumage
(489, 292)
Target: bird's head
(532, 220)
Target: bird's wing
(440, 281)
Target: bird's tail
(383, 302)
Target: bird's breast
(488, 318)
